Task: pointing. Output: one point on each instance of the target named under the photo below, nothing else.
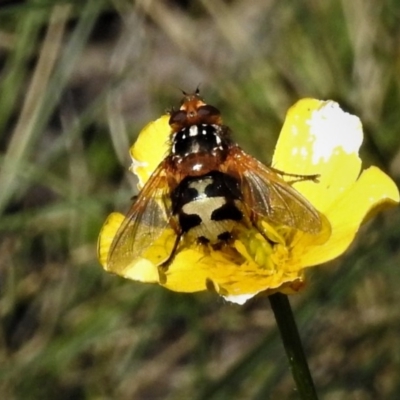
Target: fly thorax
(196, 139)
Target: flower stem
(292, 343)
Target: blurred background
(78, 80)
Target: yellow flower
(317, 138)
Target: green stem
(292, 343)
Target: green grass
(78, 81)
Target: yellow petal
(144, 268)
(141, 269)
(106, 236)
(320, 138)
(373, 189)
(150, 148)
(189, 272)
(291, 287)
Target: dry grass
(78, 81)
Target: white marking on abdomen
(204, 207)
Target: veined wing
(146, 221)
(270, 197)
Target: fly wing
(146, 221)
(270, 197)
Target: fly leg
(298, 177)
(163, 267)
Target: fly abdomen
(227, 211)
(207, 206)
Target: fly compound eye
(178, 117)
(208, 111)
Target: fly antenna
(198, 89)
